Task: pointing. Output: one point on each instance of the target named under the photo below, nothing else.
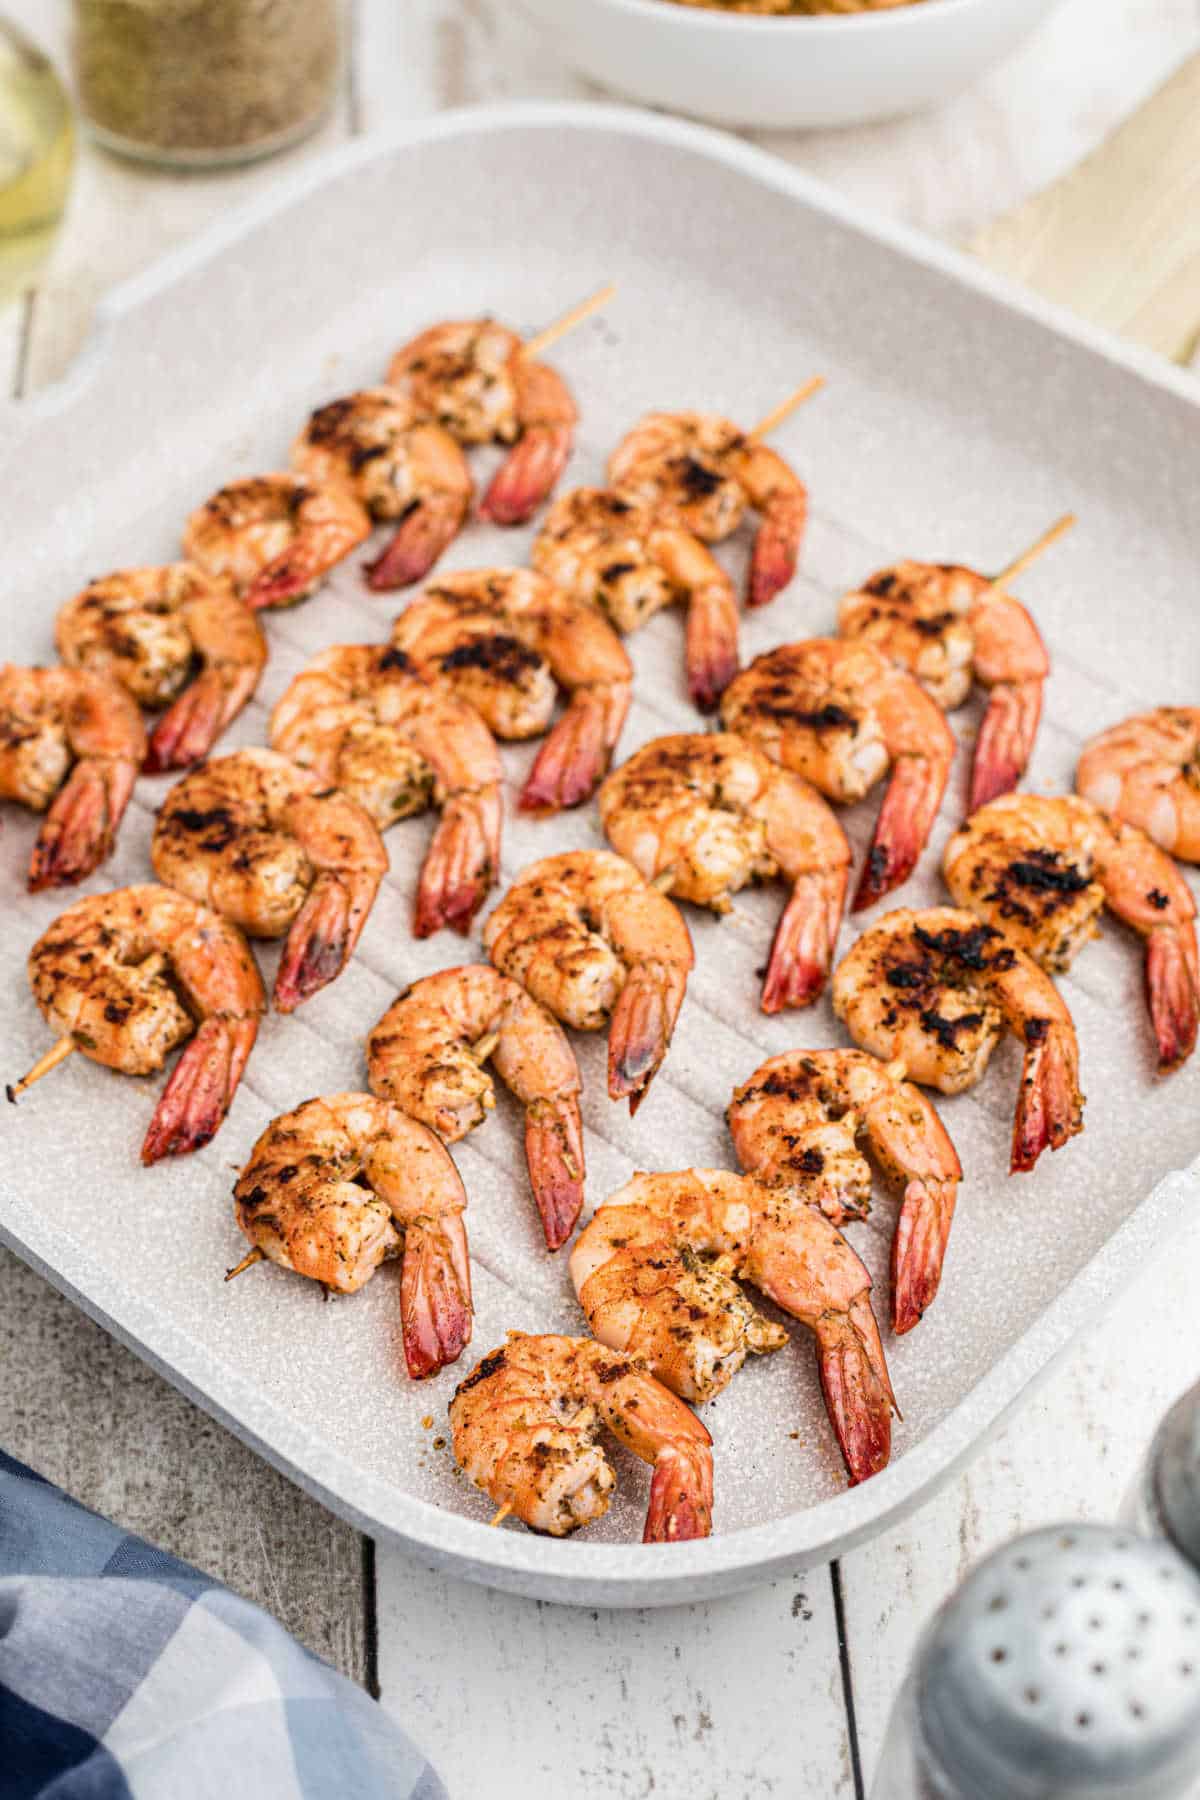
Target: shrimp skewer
(702, 816)
(505, 640)
(128, 976)
(840, 714)
(796, 1124)
(172, 637)
(364, 718)
(595, 944)
(71, 744)
(936, 989)
(526, 1423)
(340, 1184)
(654, 1271)
(398, 466)
(1146, 772)
(266, 844)
(275, 537)
(632, 560)
(427, 1055)
(1041, 869)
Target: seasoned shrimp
(948, 626)
(343, 1182)
(655, 1273)
(275, 537)
(632, 560)
(365, 719)
(704, 815)
(398, 466)
(840, 714)
(266, 844)
(71, 745)
(1146, 771)
(506, 640)
(797, 1123)
(473, 377)
(427, 1054)
(1041, 868)
(173, 637)
(526, 1423)
(594, 942)
(707, 472)
(127, 976)
(937, 988)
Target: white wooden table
(783, 1691)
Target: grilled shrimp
(948, 626)
(655, 1273)
(127, 976)
(506, 640)
(266, 844)
(343, 1182)
(365, 719)
(797, 1123)
(173, 637)
(526, 1423)
(427, 1054)
(594, 942)
(1041, 868)
(840, 714)
(937, 988)
(1146, 772)
(275, 537)
(473, 378)
(632, 560)
(399, 467)
(71, 745)
(707, 472)
(704, 815)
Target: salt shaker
(1165, 1498)
(1066, 1666)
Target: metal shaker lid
(1175, 1474)
(1068, 1665)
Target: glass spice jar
(197, 83)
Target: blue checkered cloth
(127, 1675)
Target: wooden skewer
(779, 413)
(248, 1261)
(1020, 563)
(483, 1049)
(57, 1053)
(543, 340)
(499, 1518)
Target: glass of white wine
(37, 142)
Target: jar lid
(1068, 1665)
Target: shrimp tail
(919, 1248)
(857, 1388)
(1005, 741)
(77, 833)
(1050, 1105)
(189, 728)
(1173, 991)
(554, 1153)
(803, 946)
(681, 1494)
(426, 530)
(318, 945)
(640, 1033)
(460, 864)
(777, 546)
(575, 757)
(908, 811)
(711, 652)
(435, 1300)
(198, 1095)
(285, 580)
(528, 474)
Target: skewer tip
(498, 1518)
(57, 1053)
(784, 410)
(542, 340)
(251, 1257)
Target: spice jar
(203, 82)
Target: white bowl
(783, 72)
